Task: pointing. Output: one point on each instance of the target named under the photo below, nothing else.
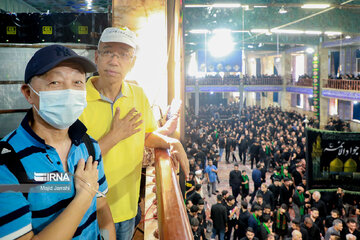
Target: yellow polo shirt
(123, 162)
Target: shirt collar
(93, 94)
(76, 131)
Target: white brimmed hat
(119, 34)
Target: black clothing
(195, 197)
(197, 233)
(356, 233)
(231, 221)
(263, 232)
(285, 195)
(276, 193)
(297, 177)
(242, 224)
(320, 205)
(279, 226)
(188, 185)
(313, 233)
(318, 222)
(235, 178)
(219, 216)
(268, 198)
(221, 143)
(245, 238)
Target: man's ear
(25, 90)
(30, 96)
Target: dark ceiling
(343, 17)
(78, 6)
(256, 14)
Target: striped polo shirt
(20, 214)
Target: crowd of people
(347, 76)
(272, 203)
(217, 79)
(336, 124)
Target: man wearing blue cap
(50, 142)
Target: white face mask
(61, 108)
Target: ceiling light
(250, 46)
(260, 6)
(221, 30)
(287, 31)
(310, 50)
(226, 5)
(315, 6)
(240, 31)
(221, 44)
(313, 32)
(282, 10)
(259, 30)
(199, 31)
(347, 36)
(197, 5)
(333, 33)
(246, 7)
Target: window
(356, 110)
(300, 100)
(276, 97)
(358, 65)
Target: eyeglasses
(119, 55)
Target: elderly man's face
(297, 236)
(339, 227)
(114, 60)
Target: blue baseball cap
(49, 57)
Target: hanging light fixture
(282, 10)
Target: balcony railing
(304, 82)
(343, 84)
(172, 217)
(236, 81)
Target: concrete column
(241, 97)
(342, 61)
(285, 97)
(324, 71)
(197, 93)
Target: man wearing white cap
(119, 116)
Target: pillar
(285, 97)
(197, 93)
(324, 71)
(241, 96)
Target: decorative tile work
(262, 89)
(234, 89)
(354, 96)
(219, 89)
(189, 89)
(302, 90)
